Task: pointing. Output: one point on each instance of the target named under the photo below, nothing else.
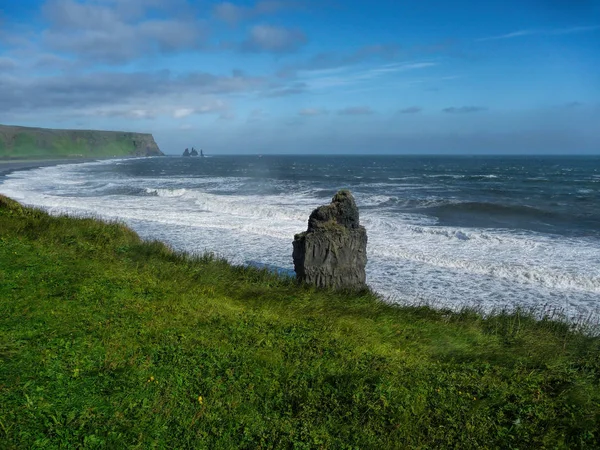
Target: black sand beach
(7, 167)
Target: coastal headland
(24, 144)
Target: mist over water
(495, 232)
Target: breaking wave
(412, 252)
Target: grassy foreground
(110, 342)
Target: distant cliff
(44, 143)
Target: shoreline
(7, 167)
(14, 165)
(388, 289)
(588, 325)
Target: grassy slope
(32, 143)
(109, 342)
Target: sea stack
(332, 253)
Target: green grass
(107, 341)
(41, 143)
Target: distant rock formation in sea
(333, 251)
(194, 152)
(186, 152)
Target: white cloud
(7, 63)
(267, 38)
(227, 116)
(232, 14)
(204, 93)
(108, 31)
(325, 79)
(212, 106)
(356, 111)
(141, 113)
(228, 12)
(130, 113)
(464, 109)
(309, 112)
(330, 62)
(257, 115)
(183, 112)
(552, 32)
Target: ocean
(487, 232)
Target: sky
(310, 76)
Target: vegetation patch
(107, 341)
(42, 143)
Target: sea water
(490, 232)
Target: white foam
(374, 200)
(410, 257)
(449, 175)
(166, 192)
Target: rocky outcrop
(332, 253)
(186, 152)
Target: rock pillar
(332, 253)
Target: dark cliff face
(145, 145)
(24, 142)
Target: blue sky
(329, 76)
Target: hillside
(44, 143)
(107, 341)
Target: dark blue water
(548, 194)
